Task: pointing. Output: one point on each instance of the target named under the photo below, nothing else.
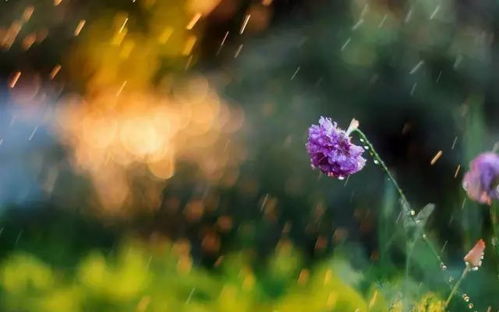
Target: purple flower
(481, 182)
(331, 151)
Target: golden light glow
(111, 135)
(202, 6)
(130, 129)
(191, 41)
(165, 35)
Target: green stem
(409, 250)
(405, 202)
(493, 220)
(456, 286)
(405, 206)
(494, 240)
(376, 156)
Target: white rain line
(364, 10)
(191, 293)
(414, 88)
(346, 43)
(456, 172)
(408, 16)
(383, 21)
(454, 143)
(295, 73)
(223, 42)
(238, 51)
(245, 23)
(18, 237)
(435, 12)
(33, 133)
(358, 24)
(438, 77)
(415, 68)
(443, 247)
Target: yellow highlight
(119, 37)
(193, 21)
(165, 35)
(189, 45)
(129, 128)
(79, 27)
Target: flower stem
(405, 205)
(411, 214)
(376, 156)
(405, 202)
(456, 286)
(495, 236)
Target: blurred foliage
(162, 278)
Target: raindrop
(413, 212)
(443, 267)
(413, 88)
(416, 67)
(341, 178)
(435, 12)
(366, 147)
(382, 21)
(454, 143)
(438, 77)
(376, 162)
(470, 306)
(408, 16)
(466, 297)
(465, 185)
(362, 140)
(295, 73)
(345, 44)
(358, 24)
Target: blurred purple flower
(481, 182)
(331, 151)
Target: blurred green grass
(161, 278)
